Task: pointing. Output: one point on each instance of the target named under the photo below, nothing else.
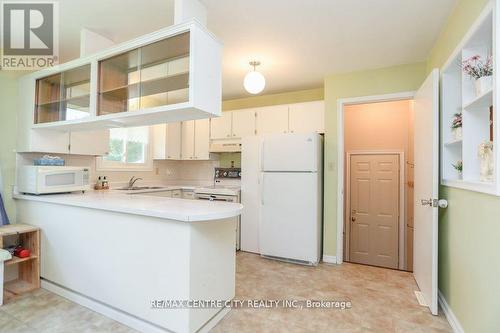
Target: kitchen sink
(137, 188)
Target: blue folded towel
(4, 219)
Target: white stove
(219, 190)
(226, 188)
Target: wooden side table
(28, 268)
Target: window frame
(104, 165)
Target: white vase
(460, 176)
(483, 84)
(486, 165)
(456, 133)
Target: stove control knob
(225, 174)
(217, 174)
(239, 174)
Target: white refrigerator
(289, 191)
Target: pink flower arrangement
(476, 68)
(457, 120)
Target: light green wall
(363, 83)
(8, 96)
(469, 229)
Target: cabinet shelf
(17, 260)
(81, 101)
(149, 87)
(453, 143)
(480, 102)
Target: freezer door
(291, 152)
(290, 216)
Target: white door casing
(426, 177)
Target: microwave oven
(33, 179)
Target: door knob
(353, 217)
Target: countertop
(122, 202)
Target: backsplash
(165, 171)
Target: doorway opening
(378, 183)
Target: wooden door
(243, 123)
(220, 127)
(374, 209)
(272, 120)
(307, 117)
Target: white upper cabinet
(195, 139)
(167, 141)
(243, 123)
(89, 142)
(307, 117)
(233, 125)
(170, 75)
(272, 119)
(221, 127)
(187, 142)
(201, 139)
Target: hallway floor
(382, 301)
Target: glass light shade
(254, 82)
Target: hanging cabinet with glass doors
(170, 75)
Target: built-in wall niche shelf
(454, 143)
(483, 101)
(477, 108)
(171, 75)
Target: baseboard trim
(450, 316)
(104, 309)
(329, 259)
(121, 316)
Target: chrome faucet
(132, 181)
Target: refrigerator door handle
(261, 180)
(262, 156)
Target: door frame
(402, 200)
(341, 103)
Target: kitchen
(190, 172)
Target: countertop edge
(168, 216)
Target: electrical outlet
(331, 166)
(157, 171)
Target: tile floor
(382, 301)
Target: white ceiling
(299, 42)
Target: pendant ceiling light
(254, 81)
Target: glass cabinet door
(119, 83)
(154, 75)
(63, 96)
